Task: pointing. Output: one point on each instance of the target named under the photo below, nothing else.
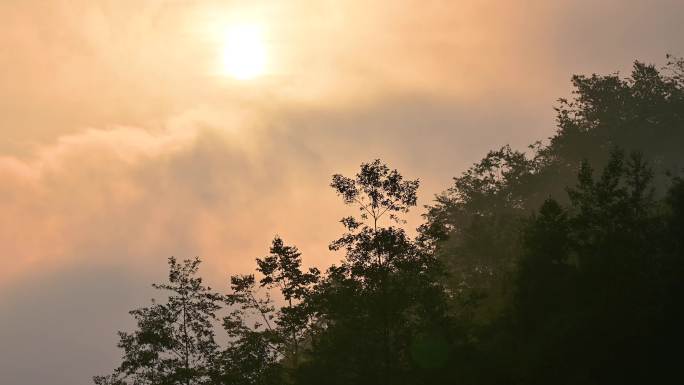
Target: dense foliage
(564, 265)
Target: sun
(244, 52)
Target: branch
(365, 207)
(391, 205)
(263, 315)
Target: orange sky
(123, 142)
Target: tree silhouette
(282, 270)
(174, 342)
(382, 304)
(593, 283)
(474, 227)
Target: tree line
(563, 264)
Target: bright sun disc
(244, 52)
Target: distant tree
(474, 227)
(640, 113)
(174, 341)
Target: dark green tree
(592, 288)
(474, 227)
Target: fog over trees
(559, 264)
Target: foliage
(175, 341)
(514, 277)
(474, 227)
(383, 303)
(593, 282)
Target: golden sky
(125, 138)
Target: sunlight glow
(244, 52)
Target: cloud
(137, 193)
(220, 183)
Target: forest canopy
(561, 264)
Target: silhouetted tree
(383, 311)
(266, 337)
(475, 226)
(282, 270)
(591, 284)
(255, 350)
(174, 341)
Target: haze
(125, 141)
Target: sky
(126, 137)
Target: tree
(267, 337)
(282, 270)
(474, 226)
(377, 191)
(254, 351)
(174, 341)
(473, 229)
(382, 306)
(593, 283)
